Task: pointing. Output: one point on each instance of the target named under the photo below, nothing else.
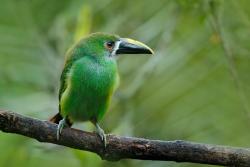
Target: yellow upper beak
(130, 46)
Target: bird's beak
(130, 46)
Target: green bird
(90, 77)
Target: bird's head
(102, 44)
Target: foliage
(196, 87)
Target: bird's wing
(63, 83)
(69, 60)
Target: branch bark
(125, 147)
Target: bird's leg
(101, 134)
(60, 126)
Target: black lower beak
(129, 46)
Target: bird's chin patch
(111, 55)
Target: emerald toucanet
(90, 77)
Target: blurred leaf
(84, 22)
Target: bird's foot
(60, 126)
(101, 134)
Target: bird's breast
(93, 76)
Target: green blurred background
(196, 87)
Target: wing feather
(71, 56)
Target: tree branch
(125, 147)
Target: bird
(90, 77)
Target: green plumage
(90, 77)
(88, 80)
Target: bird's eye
(110, 45)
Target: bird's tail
(56, 118)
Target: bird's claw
(103, 138)
(101, 134)
(60, 126)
